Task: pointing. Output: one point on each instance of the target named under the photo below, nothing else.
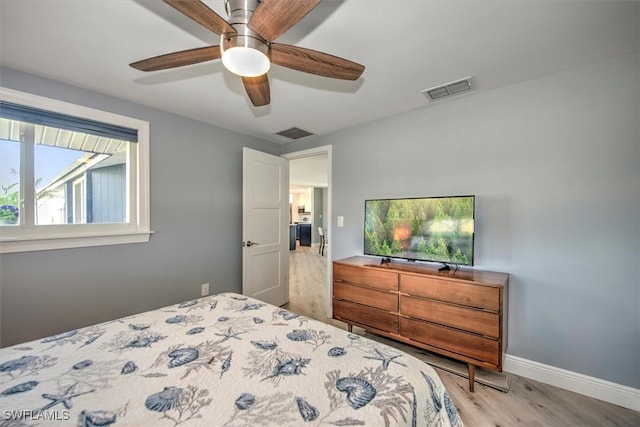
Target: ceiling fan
(246, 44)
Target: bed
(224, 360)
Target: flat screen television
(435, 229)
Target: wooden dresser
(460, 314)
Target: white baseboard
(607, 391)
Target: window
(70, 176)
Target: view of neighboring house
(80, 178)
(90, 191)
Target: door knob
(250, 243)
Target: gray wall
(196, 213)
(555, 166)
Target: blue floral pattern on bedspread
(225, 360)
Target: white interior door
(265, 237)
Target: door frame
(324, 149)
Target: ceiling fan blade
(273, 17)
(258, 90)
(202, 14)
(178, 59)
(314, 62)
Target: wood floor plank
(528, 403)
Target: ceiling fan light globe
(246, 61)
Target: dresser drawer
(468, 319)
(362, 315)
(469, 294)
(372, 277)
(372, 297)
(473, 346)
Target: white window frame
(31, 237)
(79, 203)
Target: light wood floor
(528, 402)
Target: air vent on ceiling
(448, 89)
(294, 133)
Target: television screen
(437, 229)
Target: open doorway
(310, 209)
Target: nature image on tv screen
(438, 229)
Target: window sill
(17, 244)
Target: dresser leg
(349, 327)
(472, 373)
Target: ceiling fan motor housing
(240, 11)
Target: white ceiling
(311, 171)
(407, 46)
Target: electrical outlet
(204, 289)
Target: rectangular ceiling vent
(448, 89)
(294, 133)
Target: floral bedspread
(222, 360)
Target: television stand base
(445, 267)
